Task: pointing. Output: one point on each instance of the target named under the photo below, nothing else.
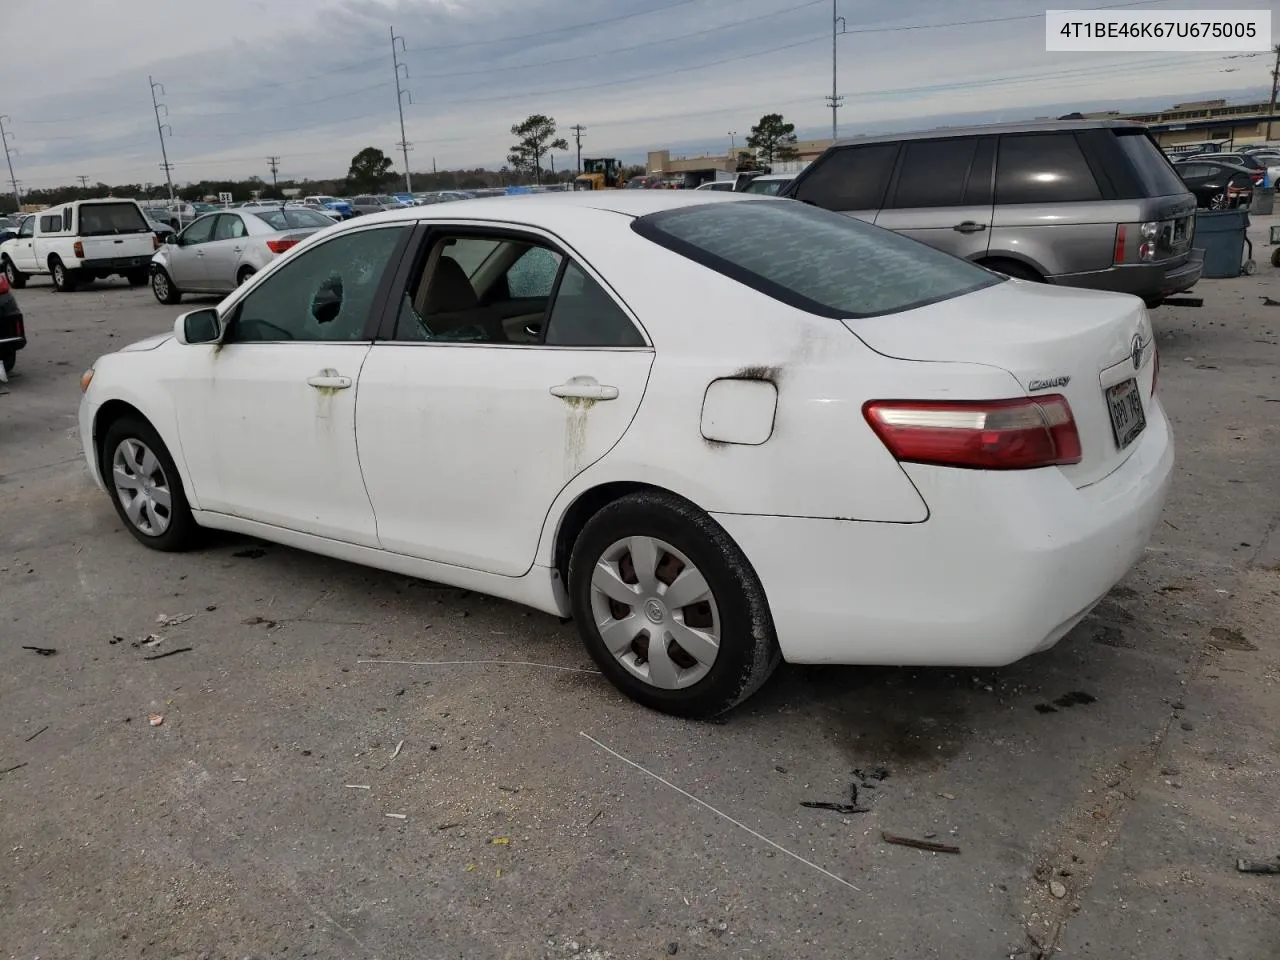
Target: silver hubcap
(142, 488)
(160, 284)
(655, 612)
(59, 275)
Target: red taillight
(20, 329)
(981, 435)
(4, 284)
(280, 246)
(1119, 254)
(1257, 176)
(78, 249)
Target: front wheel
(243, 276)
(64, 280)
(163, 288)
(669, 607)
(136, 278)
(17, 279)
(145, 487)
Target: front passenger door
(269, 423)
(222, 254)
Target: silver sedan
(219, 251)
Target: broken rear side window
(821, 262)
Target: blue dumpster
(1221, 234)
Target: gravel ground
(306, 797)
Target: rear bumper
(1005, 566)
(1163, 279)
(12, 328)
(112, 264)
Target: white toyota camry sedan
(717, 431)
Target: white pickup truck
(82, 241)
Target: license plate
(1128, 419)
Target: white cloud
(311, 81)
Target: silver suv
(1077, 202)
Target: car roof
(548, 208)
(1212, 158)
(992, 129)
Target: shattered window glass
(325, 293)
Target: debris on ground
(1057, 889)
(357, 786)
(500, 841)
(1224, 638)
(42, 651)
(260, 621)
(919, 844)
(167, 621)
(862, 780)
(155, 719)
(239, 779)
(396, 752)
(842, 808)
(252, 553)
(36, 734)
(171, 653)
(114, 640)
(1258, 866)
(397, 816)
(151, 640)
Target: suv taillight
(78, 249)
(1018, 434)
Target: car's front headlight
(86, 378)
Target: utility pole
(578, 130)
(1275, 82)
(733, 144)
(835, 100)
(274, 164)
(160, 129)
(404, 143)
(8, 156)
(84, 182)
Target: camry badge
(1048, 384)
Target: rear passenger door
(850, 180)
(941, 194)
(1050, 212)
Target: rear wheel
(145, 487)
(1218, 201)
(163, 287)
(136, 278)
(669, 607)
(64, 280)
(17, 279)
(244, 274)
(8, 358)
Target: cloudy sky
(311, 81)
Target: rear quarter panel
(820, 460)
(1058, 238)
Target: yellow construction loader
(599, 174)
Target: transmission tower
(160, 129)
(404, 144)
(8, 156)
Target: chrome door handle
(969, 226)
(327, 381)
(236, 249)
(584, 388)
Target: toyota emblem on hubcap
(654, 611)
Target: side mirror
(171, 238)
(198, 326)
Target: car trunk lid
(1095, 349)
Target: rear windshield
(1150, 166)
(104, 219)
(294, 219)
(815, 260)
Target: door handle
(199, 253)
(969, 226)
(236, 249)
(584, 388)
(323, 381)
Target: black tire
(64, 280)
(748, 649)
(1012, 268)
(137, 278)
(163, 288)
(182, 533)
(244, 274)
(17, 279)
(8, 358)
(1152, 302)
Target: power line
(160, 128)
(286, 106)
(404, 143)
(8, 156)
